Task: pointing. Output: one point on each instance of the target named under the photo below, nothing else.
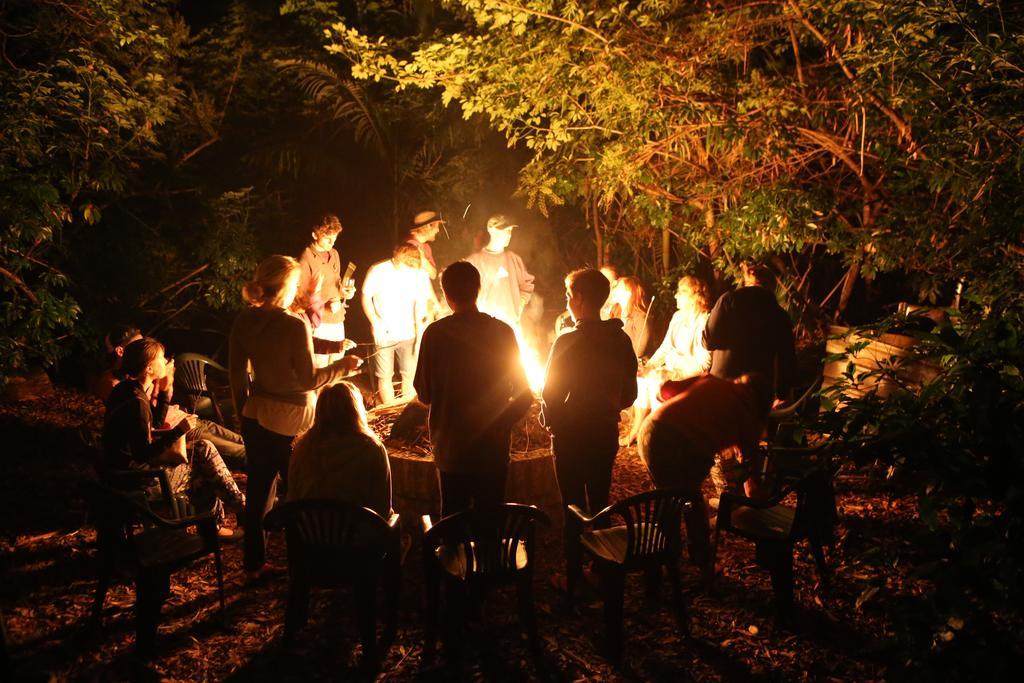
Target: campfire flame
(533, 368)
(529, 357)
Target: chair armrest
(730, 500)
(182, 523)
(580, 516)
(216, 366)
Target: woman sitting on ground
(129, 439)
(339, 457)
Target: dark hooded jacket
(749, 332)
(591, 376)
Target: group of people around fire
(705, 390)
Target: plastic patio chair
(647, 539)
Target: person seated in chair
(228, 443)
(131, 437)
(339, 457)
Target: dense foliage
(957, 441)
(885, 134)
(146, 162)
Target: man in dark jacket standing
(749, 332)
(470, 374)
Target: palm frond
(341, 99)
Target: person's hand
(334, 305)
(190, 420)
(348, 291)
(348, 344)
(351, 363)
(167, 381)
(777, 403)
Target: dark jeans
(459, 490)
(268, 454)
(228, 443)
(583, 463)
(674, 462)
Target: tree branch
(552, 17)
(20, 284)
(901, 124)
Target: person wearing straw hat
(425, 226)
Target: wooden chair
(471, 551)
(646, 540)
(333, 544)
(136, 543)
(190, 384)
(776, 527)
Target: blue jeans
(383, 363)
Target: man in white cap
(505, 284)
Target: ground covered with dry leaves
(875, 623)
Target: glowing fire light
(531, 362)
(533, 368)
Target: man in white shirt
(396, 293)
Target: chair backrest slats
(493, 541)
(652, 522)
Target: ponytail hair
(269, 280)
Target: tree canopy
(884, 133)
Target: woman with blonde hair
(682, 352)
(274, 381)
(339, 458)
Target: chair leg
(219, 565)
(150, 593)
(528, 615)
(613, 584)
(678, 598)
(824, 574)
(297, 611)
(456, 596)
(432, 613)
(779, 558)
(366, 617)
(102, 586)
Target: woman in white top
(274, 381)
(682, 353)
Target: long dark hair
(339, 412)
